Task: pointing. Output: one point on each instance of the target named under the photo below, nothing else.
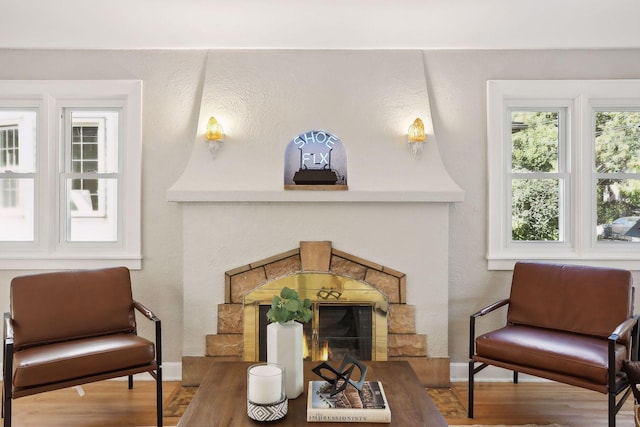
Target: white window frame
(50, 98)
(579, 98)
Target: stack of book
(348, 406)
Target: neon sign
(315, 158)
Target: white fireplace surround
(235, 208)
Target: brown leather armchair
(71, 328)
(566, 323)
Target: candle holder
(266, 396)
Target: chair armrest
(149, 315)
(623, 328)
(7, 361)
(472, 322)
(631, 324)
(488, 309)
(144, 310)
(8, 329)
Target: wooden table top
(221, 399)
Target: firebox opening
(335, 330)
(349, 316)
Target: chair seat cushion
(80, 358)
(572, 354)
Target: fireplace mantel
(444, 196)
(422, 180)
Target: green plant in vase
(288, 306)
(285, 337)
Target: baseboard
(171, 371)
(460, 373)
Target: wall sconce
(214, 136)
(416, 136)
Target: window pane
(618, 208)
(17, 141)
(95, 142)
(535, 207)
(534, 141)
(617, 141)
(90, 151)
(17, 209)
(91, 212)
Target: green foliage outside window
(535, 203)
(535, 210)
(617, 145)
(535, 149)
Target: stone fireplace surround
(235, 209)
(403, 341)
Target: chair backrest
(61, 306)
(584, 300)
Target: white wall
(458, 102)
(456, 81)
(320, 24)
(171, 99)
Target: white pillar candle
(264, 384)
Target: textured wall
(171, 98)
(172, 86)
(457, 84)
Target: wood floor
(538, 403)
(110, 403)
(104, 404)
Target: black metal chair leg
(612, 410)
(6, 406)
(159, 395)
(471, 374)
(515, 377)
(130, 382)
(7, 384)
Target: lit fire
(324, 353)
(305, 347)
(306, 352)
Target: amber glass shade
(214, 130)
(416, 131)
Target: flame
(306, 352)
(324, 353)
(305, 347)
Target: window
(9, 159)
(17, 173)
(537, 175)
(70, 158)
(564, 172)
(92, 175)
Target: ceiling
(320, 24)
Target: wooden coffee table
(221, 399)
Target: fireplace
(359, 306)
(241, 225)
(348, 316)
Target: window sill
(70, 262)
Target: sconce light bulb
(416, 131)
(416, 136)
(214, 130)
